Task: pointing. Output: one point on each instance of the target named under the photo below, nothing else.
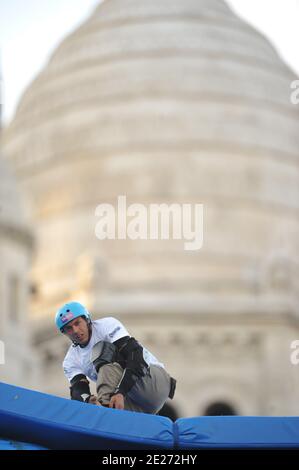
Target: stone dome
(173, 101)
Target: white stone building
(18, 362)
(173, 101)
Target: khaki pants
(147, 395)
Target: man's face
(77, 331)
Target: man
(127, 375)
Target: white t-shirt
(77, 360)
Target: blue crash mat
(237, 432)
(58, 423)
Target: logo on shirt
(114, 331)
(67, 317)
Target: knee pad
(172, 388)
(103, 353)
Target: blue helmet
(68, 312)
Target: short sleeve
(71, 368)
(114, 330)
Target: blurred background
(164, 101)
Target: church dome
(174, 101)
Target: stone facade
(18, 362)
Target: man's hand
(94, 401)
(117, 402)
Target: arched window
(220, 409)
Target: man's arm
(80, 390)
(131, 354)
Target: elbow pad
(103, 353)
(79, 389)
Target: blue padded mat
(58, 423)
(237, 432)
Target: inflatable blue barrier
(33, 420)
(58, 423)
(237, 432)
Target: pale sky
(31, 29)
